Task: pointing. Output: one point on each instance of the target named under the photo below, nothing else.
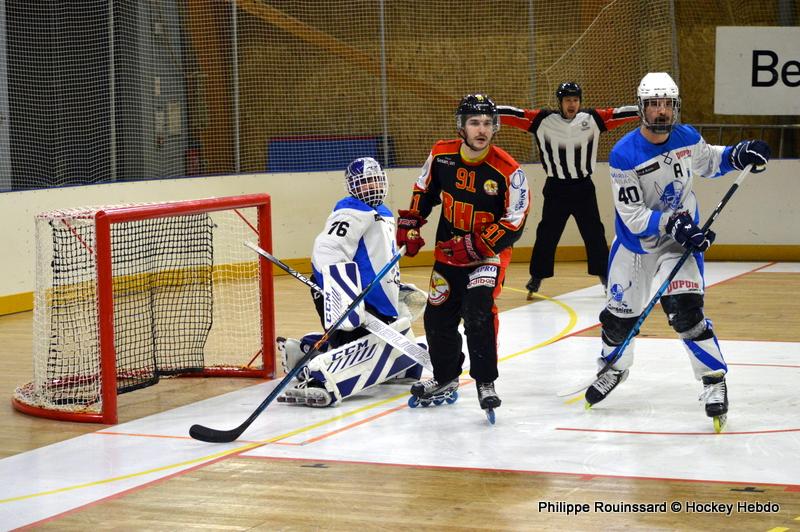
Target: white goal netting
(185, 294)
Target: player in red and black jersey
(485, 200)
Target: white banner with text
(757, 71)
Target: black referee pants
(562, 199)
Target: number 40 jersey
(651, 181)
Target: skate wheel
(425, 403)
(452, 399)
(413, 402)
(719, 423)
(490, 415)
(437, 402)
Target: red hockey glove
(468, 249)
(408, 225)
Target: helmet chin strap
(464, 138)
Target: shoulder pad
(502, 160)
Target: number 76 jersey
(651, 181)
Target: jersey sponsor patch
(618, 175)
(683, 285)
(649, 169)
(490, 187)
(483, 276)
(439, 290)
(517, 179)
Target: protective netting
(186, 299)
(102, 91)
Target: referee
(568, 140)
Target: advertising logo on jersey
(446, 160)
(671, 196)
(619, 176)
(490, 187)
(649, 169)
(483, 276)
(439, 289)
(517, 179)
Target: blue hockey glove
(755, 152)
(687, 234)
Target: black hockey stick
(663, 288)
(202, 433)
(374, 325)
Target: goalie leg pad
(361, 364)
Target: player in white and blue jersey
(657, 218)
(359, 233)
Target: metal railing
(786, 136)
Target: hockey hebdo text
(676, 506)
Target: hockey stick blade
(380, 329)
(574, 391)
(619, 350)
(210, 435)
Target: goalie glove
(683, 229)
(755, 152)
(408, 226)
(462, 251)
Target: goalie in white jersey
(357, 241)
(652, 173)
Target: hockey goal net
(127, 294)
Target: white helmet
(366, 180)
(658, 85)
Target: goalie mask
(658, 88)
(476, 104)
(366, 181)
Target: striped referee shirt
(568, 148)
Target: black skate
(715, 395)
(430, 391)
(601, 387)
(488, 399)
(533, 286)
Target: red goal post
(127, 294)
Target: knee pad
(685, 314)
(616, 329)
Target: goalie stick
(207, 434)
(635, 330)
(380, 329)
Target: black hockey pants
(463, 293)
(562, 199)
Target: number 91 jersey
(651, 181)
